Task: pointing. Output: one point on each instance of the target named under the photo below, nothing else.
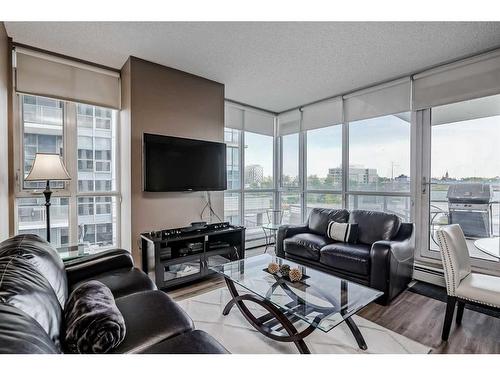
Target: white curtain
(289, 122)
(259, 122)
(387, 99)
(467, 79)
(233, 117)
(322, 114)
(46, 75)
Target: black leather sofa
(382, 258)
(35, 283)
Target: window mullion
(71, 158)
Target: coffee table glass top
(319, 299)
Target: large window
(465, 171)
(85, 210)
(251, 188)
(324, 158)
(379, 154)
(379, 165)
(259, 156)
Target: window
(290, 161)
(259, 153)
(31, 218)
(250, 160)
(232, 140)
(92, 165)
(323, 200)
(379, 154)
(256, 213)
(324, 158)
(42, 131)
(464, 162)
(399, 206)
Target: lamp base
(47, 193)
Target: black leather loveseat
(382, 257)
(35, 283)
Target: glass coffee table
(320, 300)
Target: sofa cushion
(194, 342)
(320, 217)
(123, 281)
(23, 287)
(21, 334)
(306, 245)
(375, 226)
(353, 258)
(150, 317)
(42, 256)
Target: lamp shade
(48, 167)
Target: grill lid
(470, 193)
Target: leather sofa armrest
(392, 262)
(83, 268)
(286, 231)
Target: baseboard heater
(428, 274)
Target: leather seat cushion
(150, 317)
(320, 217)
(480, 288)
(123, 281)
(26, 289)
(375, 226)
(353, 258)
(42, 256)
(21, 334)
(194, 342)
(305, 245)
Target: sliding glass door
(461, 177)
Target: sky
(464, 149)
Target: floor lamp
(48, 167)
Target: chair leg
(460, 312)
(448, 318)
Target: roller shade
(322, 114)
(289, 122)
(260, 123)
(468, 79)
(387, 99)
(45, 75)
(467, 110)
(233, 117)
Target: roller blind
(387, 99)
(233, 117)
(289, 122)
(322, 114)
(468, 79)
(45, 75)
(468, 110)
(260, 123)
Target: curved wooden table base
(277, 320)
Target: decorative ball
(284, 269)
(295, 274)
(273, 268)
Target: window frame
(70, 158)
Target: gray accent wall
(161, 100)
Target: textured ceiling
(271, 65)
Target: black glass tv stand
(173, 257)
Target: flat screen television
(181, 164)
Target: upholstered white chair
(462, 285)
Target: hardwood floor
(412, 315)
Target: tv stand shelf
(173, 257)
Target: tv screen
(181, 164)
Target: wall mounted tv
(181, 164)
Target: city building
(254, 174)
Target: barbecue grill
(470, 205)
